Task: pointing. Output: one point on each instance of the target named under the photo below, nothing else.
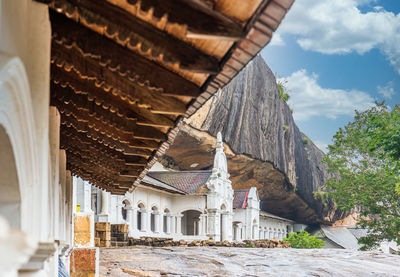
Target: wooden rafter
(91, 67)
(137, 97)
(103, 123)
(84, 141)
(133, 33)
(202, 21)
(100, 103)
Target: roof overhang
(125, 72)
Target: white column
(129, 215)
(143, 219)
(168, 223)
(202, 224)
(212, 225)
(224, 220)
(104, 215)
(134, 219)
(161, 220)
(87, 197)
(237, 232)
(172, 221)
(156, 222)
(148, 221)
(104, 202)
(179, 224)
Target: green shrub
(304, 240)
(305, 140)
(283, 95)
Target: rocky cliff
(264, 146)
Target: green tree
(304, 240)
(365, 160)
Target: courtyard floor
(224, 261)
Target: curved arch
(166, 221)
(223, 207)
(16, 117)
(190, 208)
(190, 222)
(126, 205)
(141, 205)
(126, 202)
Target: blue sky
(336, 56)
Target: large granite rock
(224, 261)
(264, 146)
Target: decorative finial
(219, 140)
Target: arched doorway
(126, 205)
(153, 219)
(190, 222)
(140, 217)
(10, 197)
(166, 222)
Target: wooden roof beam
(136, 98)
(202, 22)
(124, 148)
(119, 111)
(168, 84)
(75, 144)
(71, 133)
(102, 122)
(133, 33)
(107, 169)
(106, 135)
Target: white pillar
(134, 219)
(156, 222)
(104, 214)
(202, 224)
(172, 224)
(143, 219)
(148, 220)
(179, 224)
(212, 226)
(224, 228)
(168, 223)
(87, 196)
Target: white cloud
(339, 27)
(386, 91)
(277, 40)
(323, 146)
(309, 99)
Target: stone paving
(231, 261)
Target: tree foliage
(365, 157)
(304, 240)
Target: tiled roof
(341, 236)
(190, 182)
(267, 214)
(358, 232)
(240, 198)
(147, 180)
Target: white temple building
(191, 205)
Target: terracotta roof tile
(240, 198)
(190, 182)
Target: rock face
(264, 146)
(224, 261)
